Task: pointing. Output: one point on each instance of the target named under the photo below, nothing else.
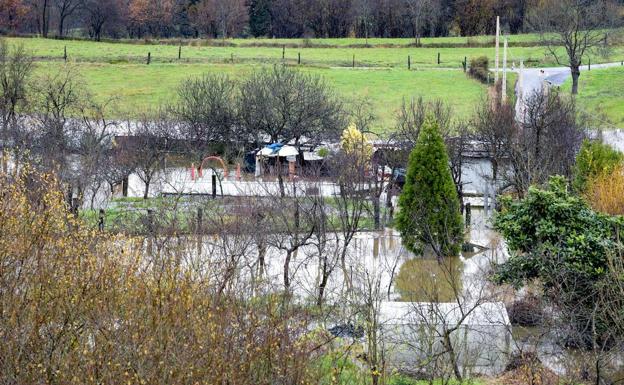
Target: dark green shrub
(479, 69)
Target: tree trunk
(44, 20)
(389, 194)
(261, 255)
(146, 190)
(377, 212)
(323, 284)
(60, 27)
(575, 77)
(453, 357)
(280, 180)
(287, 270)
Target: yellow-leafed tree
(355, 145)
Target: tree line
(263, 18)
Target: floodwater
(399, 275)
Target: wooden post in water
(468, 209)
(200, 219)
(150, 221)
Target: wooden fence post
(149, 58)
(200, 219)
(409, 62)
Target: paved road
(534, 79)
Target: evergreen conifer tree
(429, 207)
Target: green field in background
(396, 57)
(138, 88)
(118, 70)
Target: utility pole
(504, 85)
(497, 45)
(520, 78)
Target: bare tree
(420, 13)
(494, 124)
(284, 105)
(363, 11)
(412, 115)
(97, 14)
(95, 139)
(577, 26)
(458, 142)
(15, 70)
(206, 113)
(370, 280)
(291, 225)
(545, 143)
(225, 18)
(64, 9)
(334, 236)
(41, 10)
(148, 147)
(60, 97)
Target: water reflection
(430, 280)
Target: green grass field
(601, 96)
(117, 70)
(395, 57)
(136, 88)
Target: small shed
(414, 332)
(275, 152)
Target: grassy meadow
(118, 71)
(601, 96)
(392, 57)
(137, 88)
